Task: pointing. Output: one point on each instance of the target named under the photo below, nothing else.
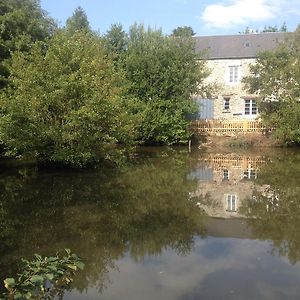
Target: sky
(206, 17)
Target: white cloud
(239, 12)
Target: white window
(250, 107)
(233, 74)
(231, 202)
(226, 103)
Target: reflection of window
(250, 174)
(250, 107)
(231, 201)
(225, 174)
(226, 103)
(233, 74)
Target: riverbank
(243, 141)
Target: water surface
(169, 225)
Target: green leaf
(37, 279)
(28, 295)
(49, 276)
(28, 285)
(52, 268)
(79, 264)
(18, 295)
(73, 267)
(9, 283)
(38, 257)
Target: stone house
(228, 58)
(225, 181)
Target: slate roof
(229, 228)
(239, 45)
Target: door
(205, 108)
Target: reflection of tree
(274, 212)
(100, 215)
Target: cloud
(239, 12)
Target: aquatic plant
(43, 277)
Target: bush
(43, 277)
(65, 103)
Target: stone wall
(224, 89)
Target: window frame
(234, 72)
(231, 201)
(250, 107)
(225, 174)
(226, 103)
(250, 174)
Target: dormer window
(247, 44)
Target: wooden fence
(216, 127)
(234, 161)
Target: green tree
(283, 27)
(64, 106)
(275, 77)
(116, 42)
(22, 22)
(116, 39)
(183, 31)
(268, 28)
(78, 21)
(163, 73)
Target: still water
(170, 225)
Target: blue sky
(206, 17)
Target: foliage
(183, 31)
(283, 28)
(116, 39)
(78, 21)
(44, 277)
(163, 73)
(268, 28)
(65, 106)
(22, 22)
(276, 78)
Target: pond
(172, 224)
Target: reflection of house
(230, 182)
(228, 58)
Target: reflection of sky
(217, 268)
